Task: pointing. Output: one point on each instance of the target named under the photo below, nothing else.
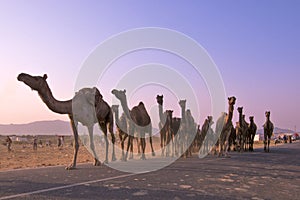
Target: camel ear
(45, 76)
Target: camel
(175, 124)
(169, 133)
(206, 134)
(242, 130)
(162, 123)
(252, 131)
(86, 107)
(268, 131)
(191, 131)
(183, 128)
(226, 130)
(121, 124)
(139, 121)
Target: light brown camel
(252, 131)
(226, 130)
(268, 131)
(139, 120)
(86, 107)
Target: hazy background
(255, 45)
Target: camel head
(182, 103)
(120, 94)
(36, 83)
(159, 99)
(115, 108)
(268, 113)
(231, 100)
(240, 109)
(210, 120)
(251, 118)
(169, 114)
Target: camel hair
(86, 107)
(138, 119)
(268, 131)
(227, 126)
(121, 124)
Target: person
(35, 143)
(8, 143)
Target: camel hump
(92, 95)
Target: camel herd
(178, 136)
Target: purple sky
(255, 45)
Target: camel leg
(111, 131)
(76, 144)
(127, 149)
(162, 143)
(92, 146)
(269, 138)
(143, 144)
(150, 138)
(104, 129)
(265, 143)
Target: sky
(254, 44)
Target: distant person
(35, 143)
(284, 139)
(8, 143)
(58, 142)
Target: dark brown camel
(138, 119)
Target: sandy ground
(23, 155)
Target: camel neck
(125, 108)
(117, 117)
(161, 114)
(183, 113)
(230, 112)
(61, 107)
(240, 118)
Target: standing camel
(226, 130)
(252, 131)
(139, 121)
(86, 107)
(242, 130)
(122, 126)
(268, 131)
(175, 124)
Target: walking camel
(122, 126)
(268, 131)
(175, 124)
(139, 121)
(252, 131)
(86, 107)
(226, 130)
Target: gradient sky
(255, 45)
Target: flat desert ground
(23, 155)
